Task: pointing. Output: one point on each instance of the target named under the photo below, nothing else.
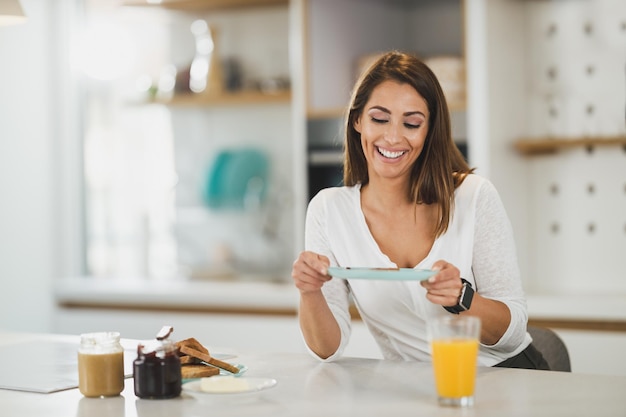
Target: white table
(348, 387)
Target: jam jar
(156, 370)
(100, 364)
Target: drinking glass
(454, 343)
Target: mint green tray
(402, 274)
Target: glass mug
(454, 342)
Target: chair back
(551, 347)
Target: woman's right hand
(319, 326)
(310, 271)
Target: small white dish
(228, 385)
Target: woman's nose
(394, 133)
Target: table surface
(347, 387)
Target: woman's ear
(356, 124)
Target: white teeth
(389, 154)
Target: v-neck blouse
(479, 241)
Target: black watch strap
(465, 300)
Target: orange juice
(454, 362)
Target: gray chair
(551, 347)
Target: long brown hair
(441, 167)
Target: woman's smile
(389, 154)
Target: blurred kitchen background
(157, 157)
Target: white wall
(26, 186)
(33, 164)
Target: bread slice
(192, 343)
(209, 359)
(198, 371)
(189, 360)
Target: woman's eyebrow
(381, 108)
(411, 113)
(386, 110)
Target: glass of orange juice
(454, 346)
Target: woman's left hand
(444, 288)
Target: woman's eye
(407, 125)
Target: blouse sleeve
(495, 265)
(335, 291)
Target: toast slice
(198, 371)
(189, 360)
(209, 359)
(192, 343)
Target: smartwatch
(465, 300)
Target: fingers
(310, 271)
(444, 288)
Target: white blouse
(479, 242)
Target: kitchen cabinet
(566, 207)
(161, 223)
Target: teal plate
(402, 274)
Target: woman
(409, 200)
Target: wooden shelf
(542, 146)
(241, 98)
(195, 5)
(218, 97)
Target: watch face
(467, 294)
(465, 299)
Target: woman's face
(393, 128)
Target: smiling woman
(410, 201)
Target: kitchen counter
(583, 312)
(282, 298)
(183, 295)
